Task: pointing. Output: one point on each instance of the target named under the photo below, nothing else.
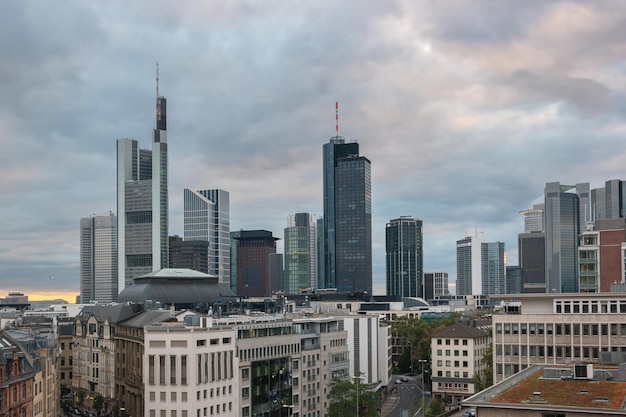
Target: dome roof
(178, 287)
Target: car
(398, 381)
(411, 374)
(466, 414)
(472, 412)
(405, 379)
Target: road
(410, 401)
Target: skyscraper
(253, 262)
(531, 247)
(347, 232)
(493, 264)
(206, 217)
(142, 203)
(300, 253)
(405, 259)
(98, 258)
(563, 221)
(468, 263)
(435, 285)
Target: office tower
(614, 199)
(206, 217)
(300, 253)
(189, 254)
(233, 260)
(435, 285)
(514, 280)
(347, 218)
(531, 250)
(98, 259)
(601, 255)
(562, 227)
(276, 273)
(319, 247)
(468, 263)
(493, 265)
(405, 257)
(142, 203)
(253, 252)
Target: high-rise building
(562, 227)
(405, 257)
(300, 253)
(531, 247)
(347, 218)
(435, 285)
(98, 259)
(468, 263)
(253, 262)
(142, 203)
(493, 265)
(233, 259)
(206, 218)
(189, 254)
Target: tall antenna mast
(337, 118)
(157, 79)
(158, 102)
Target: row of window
(562, 329)
(590, 306)
(568, 352)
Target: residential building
(602, 255)
(347, 235)
(300, 249)
(458, 353)
(363, 336)
(98, 258)
(405, 257)
(253, 250)
(142, 203)
(93, 352)
(468, 263)
(435, 285)
(17, 380)
(189, 254)
(556, 328)
(66, 360)
(207, 218)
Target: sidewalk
(390, 402)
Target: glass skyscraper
(562, 217)
(405, 258)
(347, 238)
(300, 249)
(142, 203)
(207, 218)
(98, 258)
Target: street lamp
(358, 378)
(422, 361)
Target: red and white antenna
(158, 103)
(337, 118)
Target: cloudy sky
(465, 109)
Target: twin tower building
(114, 250)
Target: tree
(98, 403)
(484, 379)
(343, 399)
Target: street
(410, 402)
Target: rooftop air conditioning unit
(583, 371)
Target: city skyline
(466, 111)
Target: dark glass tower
(347, 234)
(405, 259)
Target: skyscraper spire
(336, 118)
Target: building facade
(98, 259)
(468, 263)
(457, 355)
(253, 252)
(300, 249)
(435, 285)
(207, 218)
(405, 257)
(347, 235)
(557, 329)
(493, 268)
(189, 254)
(142, 203)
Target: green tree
(98, 403)
(484, 379)
(343, 399)
(81, 397)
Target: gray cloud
(465, 109)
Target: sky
(464, 108)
